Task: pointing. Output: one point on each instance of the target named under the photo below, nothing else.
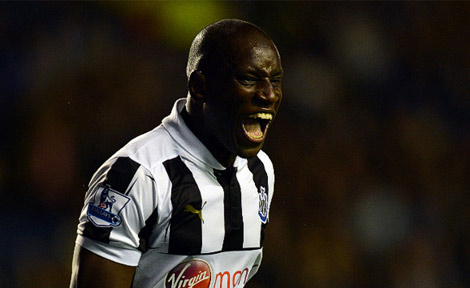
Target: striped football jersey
(163, 203)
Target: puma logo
(191, 209)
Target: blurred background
(371, 144)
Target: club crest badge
(104, 208)
(263, 205)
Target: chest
(210, 211)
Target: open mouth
(255, 126)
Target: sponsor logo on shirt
(238, 279)
(105, 206)
(194, 273)
(197, 273)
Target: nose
(266, 94)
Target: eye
(247, 80)
(276, 82)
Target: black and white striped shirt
(163, 203)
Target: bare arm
(91, 270)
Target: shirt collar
(186, 139)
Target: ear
(197, 86)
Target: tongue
(252, 128)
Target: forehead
(254, 53)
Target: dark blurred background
(371, 145)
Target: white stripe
(213, 228)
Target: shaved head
(234, 88)
(212, 46)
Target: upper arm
(91, 270)
(120, 200)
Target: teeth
(265, 116)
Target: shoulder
(151, 149)
(141, 158)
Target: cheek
(279, 96)
(219, 121)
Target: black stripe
(144, 234)
(185, 227)
(118, 177)
(233, 239)
(121, 173)
(97, 233)
(260, 177)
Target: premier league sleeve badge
(105, 206)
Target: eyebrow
(256, 72)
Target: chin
(250, 152)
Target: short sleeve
(121, 196)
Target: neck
(219, 152)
